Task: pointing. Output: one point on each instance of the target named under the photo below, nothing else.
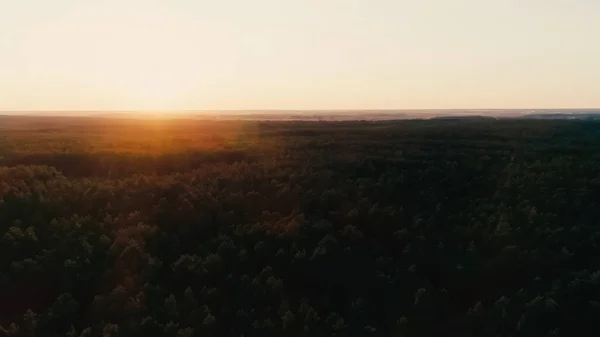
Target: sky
(298, 54)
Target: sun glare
(154, 94)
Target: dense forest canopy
(464, 227)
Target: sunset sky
(298, 54)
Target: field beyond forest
(442, 227)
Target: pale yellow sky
(298, 54)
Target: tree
(30, 320)
(11, 331)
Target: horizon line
(288, 110)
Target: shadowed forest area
(442, 227)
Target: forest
(180, 228)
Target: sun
(155, 94)
(153, 80)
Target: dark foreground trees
(413, 228)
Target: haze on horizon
(298, 54)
